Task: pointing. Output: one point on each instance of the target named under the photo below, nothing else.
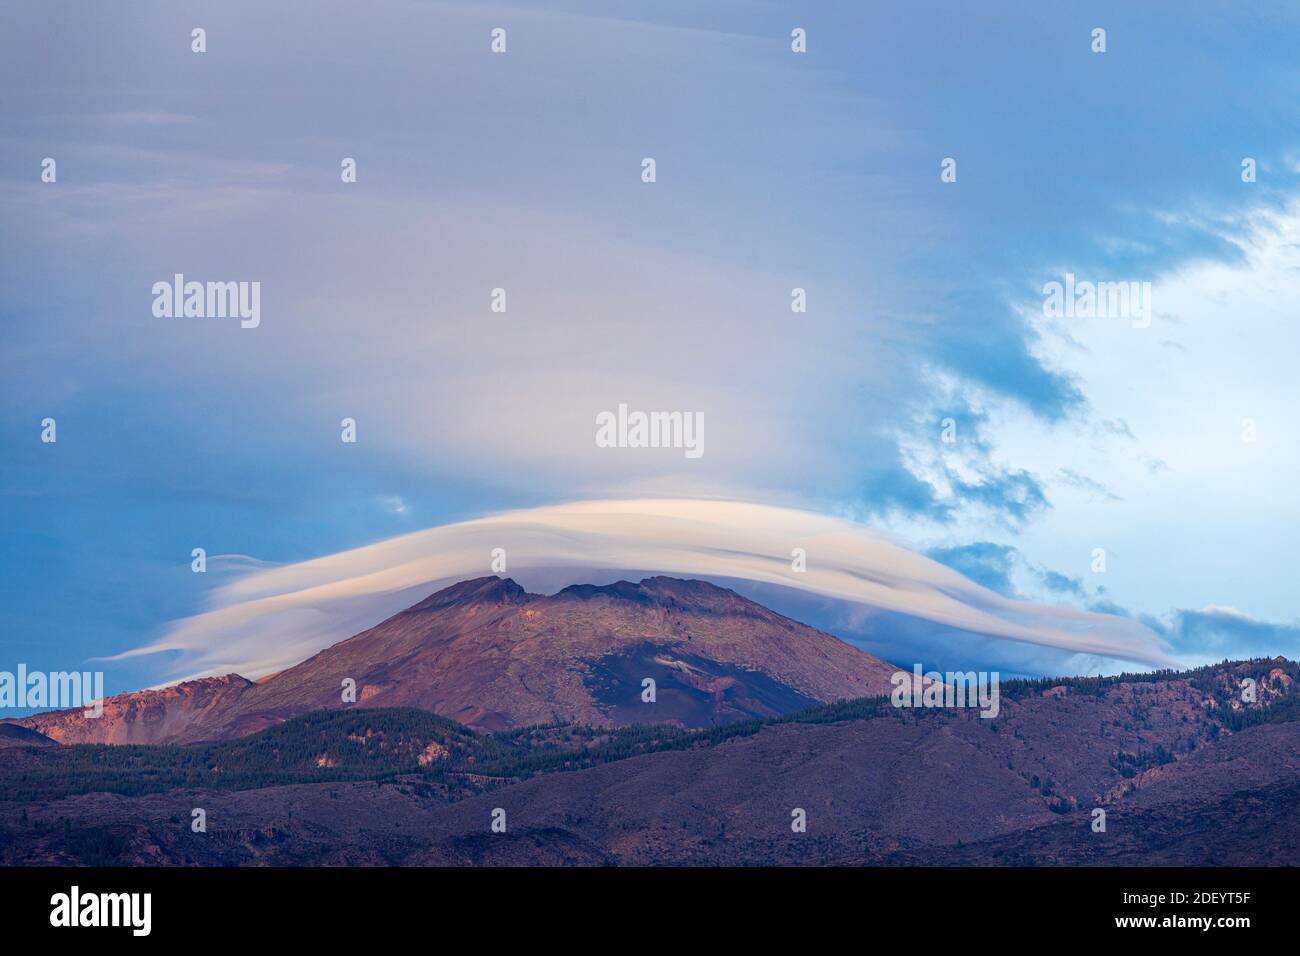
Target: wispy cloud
(274, 618)
(1214, 633)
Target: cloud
(1062, 584)
(673, 297)
(277, 617)
(143, 118)
(523, 173)
(991, 345)
(1187, 477)
(1095, 489)
(1214, 633)
(1114, 427)
(984, 562)
(947, 470)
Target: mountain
(1187, 772)
(12, 735)
(489, 655)
(146, 716)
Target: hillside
(1178, 761)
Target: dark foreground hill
(1185, 770)
(14, 735)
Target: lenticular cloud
(272, 618)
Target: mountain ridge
(489, 654)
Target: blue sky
(775, 170)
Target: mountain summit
(490, 655)
(485, 590)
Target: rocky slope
(145, 717)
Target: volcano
(492, 656)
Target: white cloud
(1182, 506)
(276, 617)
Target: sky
(1166, 443)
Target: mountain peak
(659, 590)
(623, 590)
(684, 587)
(489, 589)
